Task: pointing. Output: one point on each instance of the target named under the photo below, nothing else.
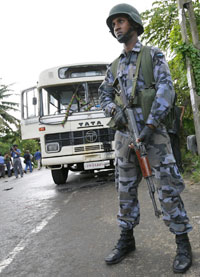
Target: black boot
(125, 245)
(183, 259)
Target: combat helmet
(126, 10)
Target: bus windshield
(77, 97)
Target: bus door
(30, 113)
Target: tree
(162, 24)
(13, 137)
(29, 144)
(162, 29)
(8, 135)
(6, 119)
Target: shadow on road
(81, 180)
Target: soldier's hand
(119, 118)
(146, 133)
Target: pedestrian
(27, 160)
(8, 163)
(174, 133)
(2, 166)
(37, 157)
(125, 25)
(17, 165)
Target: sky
(40, 34)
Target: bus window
(85, 71)
(56, 99)
(53, 104)
(29, 103)
(93, 95)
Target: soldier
(125, 25)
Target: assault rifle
(139, 148)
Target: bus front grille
(87, 148)
(82, 137)
(79, 149)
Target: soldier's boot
(125, 245)
(183, 259)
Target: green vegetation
(13, 137)
(6, 119)
(188, 50)
(8, 136)
(162, 29)
(191, 163)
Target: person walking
(37, 157)
(126, 26)
(8, 163)
(2, 166)
(27, 160)
(17, 165)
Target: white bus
(64, 113)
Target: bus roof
(72, 73)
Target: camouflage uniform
(128, 174)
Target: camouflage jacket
(126, 71)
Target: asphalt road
(66, 231)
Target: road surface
(66, 231)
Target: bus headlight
(52, 147)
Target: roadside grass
(191, 165)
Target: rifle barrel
(151, 188)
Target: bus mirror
(34, 100)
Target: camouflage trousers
(168, 181)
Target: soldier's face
(122, 28)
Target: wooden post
(182, 4)
(193, 25)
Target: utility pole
(193, 25)
(195, 99)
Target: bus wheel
(60, 175)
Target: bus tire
(60, 175)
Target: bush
(191, 165)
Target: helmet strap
(125, 38)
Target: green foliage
(9, 138)
(188, 50)
(191, 164)
(13, 137)
(29, 144)
(196, 175)
(8, 135)
(162, 29)
(6, 106)
(159, 23)
(4, 148)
